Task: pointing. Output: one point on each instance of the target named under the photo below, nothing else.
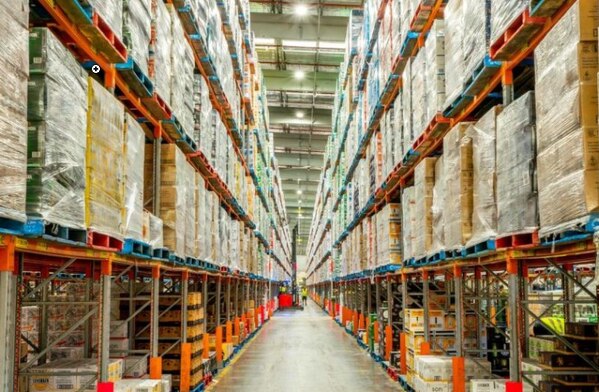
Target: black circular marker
(95, 68)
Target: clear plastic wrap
(503, 13)
(57, 117)
(200, 221)
(484, 207)
(419, 94)
(477, 30)
(112, 13)
(438, 207)
(161, 50)
(406, 104)
(137, 24)
(134, 178)
(156, 232)
(457, 162)
(516, 185)
(190, 210)
(567, 110)
(105, 161)
(408, 206)
(182, 78)
(14, 61)
(422, 231)
(455, 67)
(202, 114)
(434, 49)
(173, 199)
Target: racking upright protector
(14, 61)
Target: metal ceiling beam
(292, 27)
(285, 80)
(291, 129)
(321, 117)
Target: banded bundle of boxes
(435, 374)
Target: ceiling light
(299, 75)
(299, 114)
(301, 10)
(300, 201)
(299, 191)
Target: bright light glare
(299, 114)
(301, 10)
(299, 191)
(299, 75)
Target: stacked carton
(104, 163)
(422, 232)
(484, 211)
(177, 180)
(408, 203)
(438, 207)
(137, 23)
(457, 162)
(566, 65)
(134, 179)
(13, 110)
(57, 98)
(516, 185)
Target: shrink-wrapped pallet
(190, 211)
(455, 68)
(200, 219)
(457, 215)
(422, 231)
(112, 13)
(434, 49)
(438, 207)
(477, 29)
(516, 185)
(419, 94)
(152, 230)
(484, 207)
(13, 108)
(137, 24)
(467, 30)
(567, 110)
(408, 205)
(161, 50)
(202, 114)
(176, 177)
(105, 161)
(406, 104)
(182, 78)
(56, 145)
(503, 14)
(134, 178)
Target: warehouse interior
(340, 195)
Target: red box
(285, 300)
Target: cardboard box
(487, 385)
(119, 346)
(119, 329)
(432, 386)
(135, 367)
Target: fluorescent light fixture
(299, 201)
(264, 41)
(299, 191)
(299, 114)
(299, 44)
(331, 45)
(299, 74)
(301, 10)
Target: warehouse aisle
(304, 351)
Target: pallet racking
(491, 290)
(34, 265)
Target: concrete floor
(303, 351)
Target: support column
(155, 359)
(104, 341)
(217, 301)
(228, 299)
(426, 306)
(185, 374)
(205, 303)
(459, 376)
(513, 270)
(9, 328)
